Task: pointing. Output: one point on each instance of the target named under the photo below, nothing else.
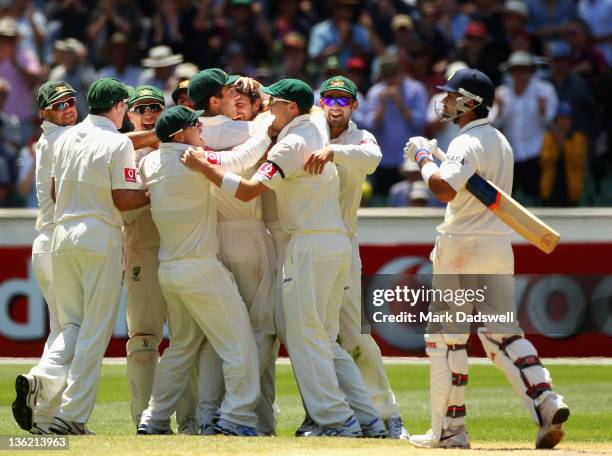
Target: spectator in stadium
(427, 30)
(587, 60)
(160, 66)
(422, 67)
(412, 191)
(571, 88)
(74, 68)
(247, 24)
(70, 16)
(563, 160)
(597, 14)
(453, 20)
(31, 25)
(293, 57)
(236, 61)
(549, 18)
(357, 71)
(119, 53)
(292, 16)
(21, 69)
(474, 50)
(10, 126)
(403, 37)
(525, 108)
(397, 107)
(341, 35)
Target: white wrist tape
(230, 183)
(428, 170)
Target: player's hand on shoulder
(316, 162)
(195, 158)
(418, 147)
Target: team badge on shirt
(267, 170)
(129, 174)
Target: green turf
(494, 412)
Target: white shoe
(65, 427)
(26, 389)
(191, 427)
(396, 429)
(375, 429)
(350, 428)
(451, 438)
(554, 413)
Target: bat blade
(514, 214)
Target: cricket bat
(510, 211)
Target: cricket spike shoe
(396, 428)
(148, 429)
(350, 428)
(451, 438)
(26, 387)
(65, 427)
(554, 413)
(374, 429)
(307, 426)
(191, 427)
(226, 427)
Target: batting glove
(418, 148)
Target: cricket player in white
(473, 250)
(93, 179)
(245, 247)
(356, 154)
(202, 297)
(57, 104)
(317, 261)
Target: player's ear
(321, 104)
(354, 105)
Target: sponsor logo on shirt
(455, 159)
(213, 158)
(129, 174)
(268, 170)
(287, 279)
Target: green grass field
(497, 420)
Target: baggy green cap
(206, 82)
(292, 90)
(52, 91)
(146, 92)
(105, 92)
(339, 83)
(183, 85)
(173, 120)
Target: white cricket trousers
(315, 272)
(87, 286)
(43, 271)
(362, 347)
(247, 250)
(204, 303)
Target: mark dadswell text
(442, 317)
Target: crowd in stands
(549, 59)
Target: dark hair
(481, 111)
(303, 111)
(97, 111)
(205, 103)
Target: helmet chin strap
(462, 105)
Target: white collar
(350, 129)
(174, 147)
(49, 127)
(474, 123)
(299, 120)
(101, 122)
(214, 120)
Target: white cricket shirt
(91, 159)
(182, 205)
(356, 154)
(481, 149)
(306, 203)
(44, 162)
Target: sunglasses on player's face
(143, 108)
(274, 100)
(61, 105)
(193, 124)
(343, 102)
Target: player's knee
(142, 343)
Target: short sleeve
(461, 163)
(285, 160)
(123, 167)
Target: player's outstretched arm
(243, 189)
(142, 139)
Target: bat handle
(439, 154)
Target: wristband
(230, 183)
(421, 154)
(428, 170)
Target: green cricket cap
(146, 92)
(292, 90)
(174, 119)
(51, 91)
(105, 92)
(339, 83)
(207, 82)
(183, 85)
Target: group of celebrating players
(232, 217)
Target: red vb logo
(268, 170)
(129, 174)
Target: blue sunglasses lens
(340, 101)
